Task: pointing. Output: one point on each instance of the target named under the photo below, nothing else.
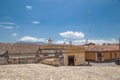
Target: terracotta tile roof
(14, 48)
(32, 48)
(102, 48)
(18, 48)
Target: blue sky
(62, 20)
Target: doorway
(110, 56)
(99, 56)
(71, 60)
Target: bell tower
(49, 41)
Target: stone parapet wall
(21, 60)
(17, 60)
(3, 61)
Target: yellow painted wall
(79, 58)
(113, 55)
(106, 55)
(78, 52)
(118, 54)
(90, 55)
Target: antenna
(89, 24)
(119, 46)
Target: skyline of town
(63, 20)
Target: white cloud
(7, 23)
(61, 42)
(29, 7)
(8, 18)
(31, 39)
(74, 42)
(79, 42)
(71, 34)
(7, 27)
(101, 41)
(11, 23)
(83, 41)
(17, 26)
(14, 34)
(35, 22)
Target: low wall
(21, 60)
(17, 60)
(52, 61)
(3, 61)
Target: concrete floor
(46, 72)
(103, 64)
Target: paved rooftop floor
(46, 72)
